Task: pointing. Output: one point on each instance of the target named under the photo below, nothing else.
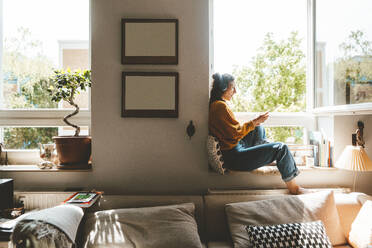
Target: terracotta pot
(73, 149)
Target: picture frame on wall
(150, 94)
(149, 41)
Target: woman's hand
(260, 119)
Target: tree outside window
(275, 81)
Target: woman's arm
(260, 119)
(224, 125)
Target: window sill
(350, 109)
(35, 168)
(273, 170)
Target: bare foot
(293, 187)
(301, 191)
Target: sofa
(212, 221)
(210, 213)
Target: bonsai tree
(65, 86)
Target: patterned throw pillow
(215, 159)
(304, 235)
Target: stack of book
(323, 156)
(83, 199)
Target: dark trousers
(253, 152)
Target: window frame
(306, 119)
(43, 117)
(346, 109)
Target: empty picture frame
(149, 41)
(150, 94)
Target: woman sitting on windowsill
(244, 147)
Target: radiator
(40, 200)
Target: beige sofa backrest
(216, 225)
(137, 201)
(348, 206)
(216, 222)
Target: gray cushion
(162, 226)
(215, 159)
(287, 209)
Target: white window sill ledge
(350, 109)
(273, 170)
(35, 168)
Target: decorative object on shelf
(73, 151)
(49, 155)
(149, 41)
(150, 94)
(354, 157)
(359, 134)
(190, 130)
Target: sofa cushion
(157, 227)
(361, 229)
(57, 225)
(287, 209)
(307, 234)
(348, 207)
(216, 223)
(138, 201)
(215, 159)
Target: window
(343, 53)
(263, 43)
(295, 58)
(38, 37)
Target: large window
(263, 43)
(291, 57)
(343, 52)
(37, 37)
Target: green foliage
(356, 44)
(281, 134)
(28, 138)
(67, 83)
(33, 95)
(275, 79)
(354, 67)
(26, 70)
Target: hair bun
(216, 76)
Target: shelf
(35, 168)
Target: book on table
(83, 199)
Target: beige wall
(153, 155)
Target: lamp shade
(354, 158)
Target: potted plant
(73, 151)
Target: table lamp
(354, 157)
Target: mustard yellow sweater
(223, 125)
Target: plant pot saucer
(75, 166)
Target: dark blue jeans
(253, 152)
